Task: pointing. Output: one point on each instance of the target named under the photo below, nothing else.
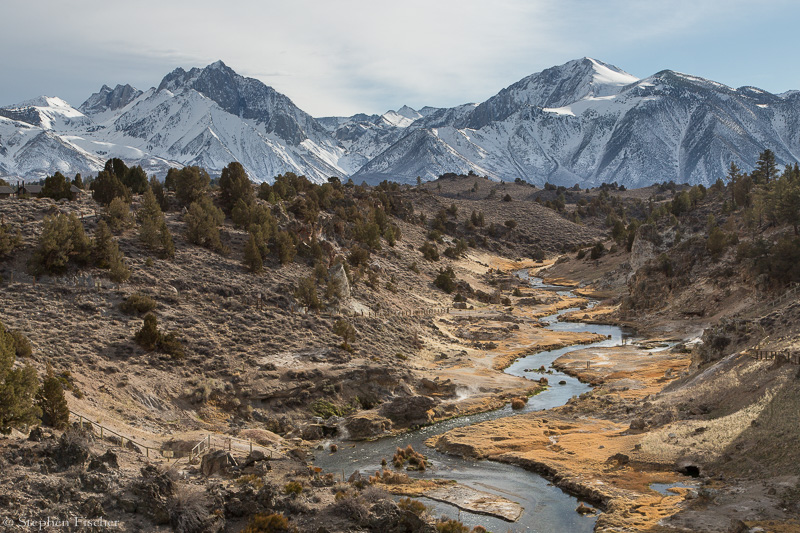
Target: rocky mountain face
(582, 122)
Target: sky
(341, 57)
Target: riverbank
(589, 454)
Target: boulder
(338, 278)
(36, 434)
(387, 517)
(217, 462)
(367, 424)
(153, 491)
(410, 410)
(445, 388)
(312, 432)
(72, 450)
(638, 424)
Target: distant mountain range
(583, 122)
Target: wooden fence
(788, 356)
(208, 443)
(226, 443)
(150, 453)
(789, 294)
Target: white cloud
(342, 57)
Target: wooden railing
(791, 292)
(149, 452)
(208, 444)
(788, 356)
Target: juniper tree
(118, 214)
(107, 186)
(148, 336)
(52, 401)
(306, 293)
(158, 191)
(202, 224)
(190, 184)
(18, 387)
(62, 240)
(8, 240)
(252, 256)
(135, 179)
(153, 231)
(234, 186)
(102, 246)
(284, 247)
(106, 254)
(57, 187)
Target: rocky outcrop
(367, 424)
(217, 462)
(443, 388)
(72, 450)
(410, 410)
(645, 247)
(152, 493)
(338, 278)
(387, 517)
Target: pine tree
(766, 169)
(789, 209)
(732, 178)
(52, 402)
(252, 256)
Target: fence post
(251, 446)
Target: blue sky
(346, 56)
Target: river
(546, 507)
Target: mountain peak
(552, 88)
(409, 112)
(108, 99)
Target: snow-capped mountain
(585, 121)
(588, 122)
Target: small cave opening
(690, 470)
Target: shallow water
(663, 488)
(546, 508)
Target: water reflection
(546, 508)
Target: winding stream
(546, 508)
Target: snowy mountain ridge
(581, 122)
